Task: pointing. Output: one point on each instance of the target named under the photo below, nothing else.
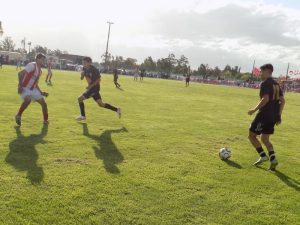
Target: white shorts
(35, 94)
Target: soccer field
(159, 164)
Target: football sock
(108, 106)
(261, 152)
(45, 116)
(82, 111)
(21, 110)
(272, 155)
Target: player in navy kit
(93, 78)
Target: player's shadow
(288, 180)
(285, 179)
(107, 150)
(23, 155)
(233, 164)
(121, 89)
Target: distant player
(49, 75)
(1, 60)
(142, 74)
(28, 87)
(269, 113)
(19, 64)
(93, 78)
(187, 80)
(116, 78)
(136, 75)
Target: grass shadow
(107, 150)
(233, 164)
(23, 155)
(285, 179)
(121, 89)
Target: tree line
(166, 65)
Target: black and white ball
(224, 153)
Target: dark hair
(87, 59)
(39, 56)
(267, 66)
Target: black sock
(272, 155)
(108, 106)
(261, 152)
(82, 111)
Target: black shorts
(260, 126)
(94, 92)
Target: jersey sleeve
(29, 68)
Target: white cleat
(261, 160)
(81, 118)
(119, 113)
(273, 165)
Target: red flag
(256, 71)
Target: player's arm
(21, 75)
(281, 107)
(265, 99)
(43, 93)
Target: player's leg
(265, 138)
(24, 105)
(254, 131)
(81, 106)
(43, 103)
(99, 101)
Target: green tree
(8, 44)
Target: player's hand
(20, 89)
(251, 112)
(45, 94)
(278, 120)
(82, 75)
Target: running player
(93, 78)
(187, 80)
(28, 87)
(49, 75)
(269, 113)
(116, 78)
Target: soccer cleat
(273, 165)
(18, 120)
(261, 160)
(80, 118)
(119, 113)
(46, 122)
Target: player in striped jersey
(28, 87)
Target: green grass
(157, 165)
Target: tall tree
(8, 44)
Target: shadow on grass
(233, 164)
(285, 179)
(121, 89)
(107, 150)
(23, 156)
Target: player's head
(266, 71)
(86, 61)
(40, 58)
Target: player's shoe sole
(18, 120)
(261, 161)
(81, 119)
(273, 165)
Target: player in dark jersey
(116, 78)
(142, 74)
(93, 78)
(187, 80)
(269, 113)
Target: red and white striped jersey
(32, 76)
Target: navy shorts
(260, 126)
(94, 93)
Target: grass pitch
(159, 164)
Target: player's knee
(80, 99)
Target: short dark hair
(267, 66)
(87, 59)
(39, 56)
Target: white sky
(217, 32)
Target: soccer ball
(224, 153)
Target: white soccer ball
(224, 153)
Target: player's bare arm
(282, 104)
(21, 75)
(265, 99)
